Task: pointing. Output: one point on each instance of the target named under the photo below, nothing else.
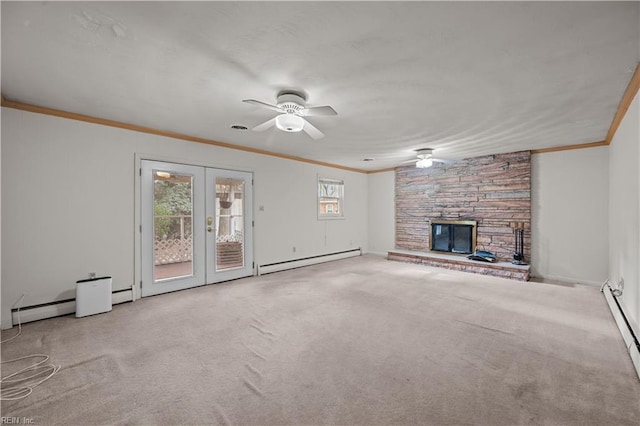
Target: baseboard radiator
(307, 261)
(630, 337)
(59, 308)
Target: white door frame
(150, 287)
(247, 269)
(139, 157)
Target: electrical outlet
(294, 249)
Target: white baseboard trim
(39, 312)
(625, 328)
(567, 280)
(307, 261)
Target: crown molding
(570, 147)
(388, 169)
(625, 102)
(632, 89)
(133, 127)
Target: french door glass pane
(173, 216)
(230, 223)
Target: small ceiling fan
(425, 158)
(292, 108)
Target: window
(330, 198)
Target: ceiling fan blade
(264, 126)
(319, 110)
(312, 130)
(263, 104)
(444, 160)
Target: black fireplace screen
(452, 237)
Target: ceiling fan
(292, 110)
(425, 158)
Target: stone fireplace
(493, 192)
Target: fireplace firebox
(453, 236)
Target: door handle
(209, 220)
(209, 228)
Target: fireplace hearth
(453, 236)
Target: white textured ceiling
(465, 79)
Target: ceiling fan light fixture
(424, 163)
(289, 122)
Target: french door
(196, 226)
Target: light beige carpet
(357, 341)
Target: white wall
(569, 195)
(570, 215)
(68, 197)
(68, 204)
(381, 212)
(1, 299)
(624, 210)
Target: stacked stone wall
(494, 190)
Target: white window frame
(336, 184)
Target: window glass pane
(172, 220)
(230, 226)
(330, 198)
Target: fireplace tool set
(518, 255)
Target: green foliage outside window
(172, 200)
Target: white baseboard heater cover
(629, 336)
(307, 261)
(64, 307)
(93, 296)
